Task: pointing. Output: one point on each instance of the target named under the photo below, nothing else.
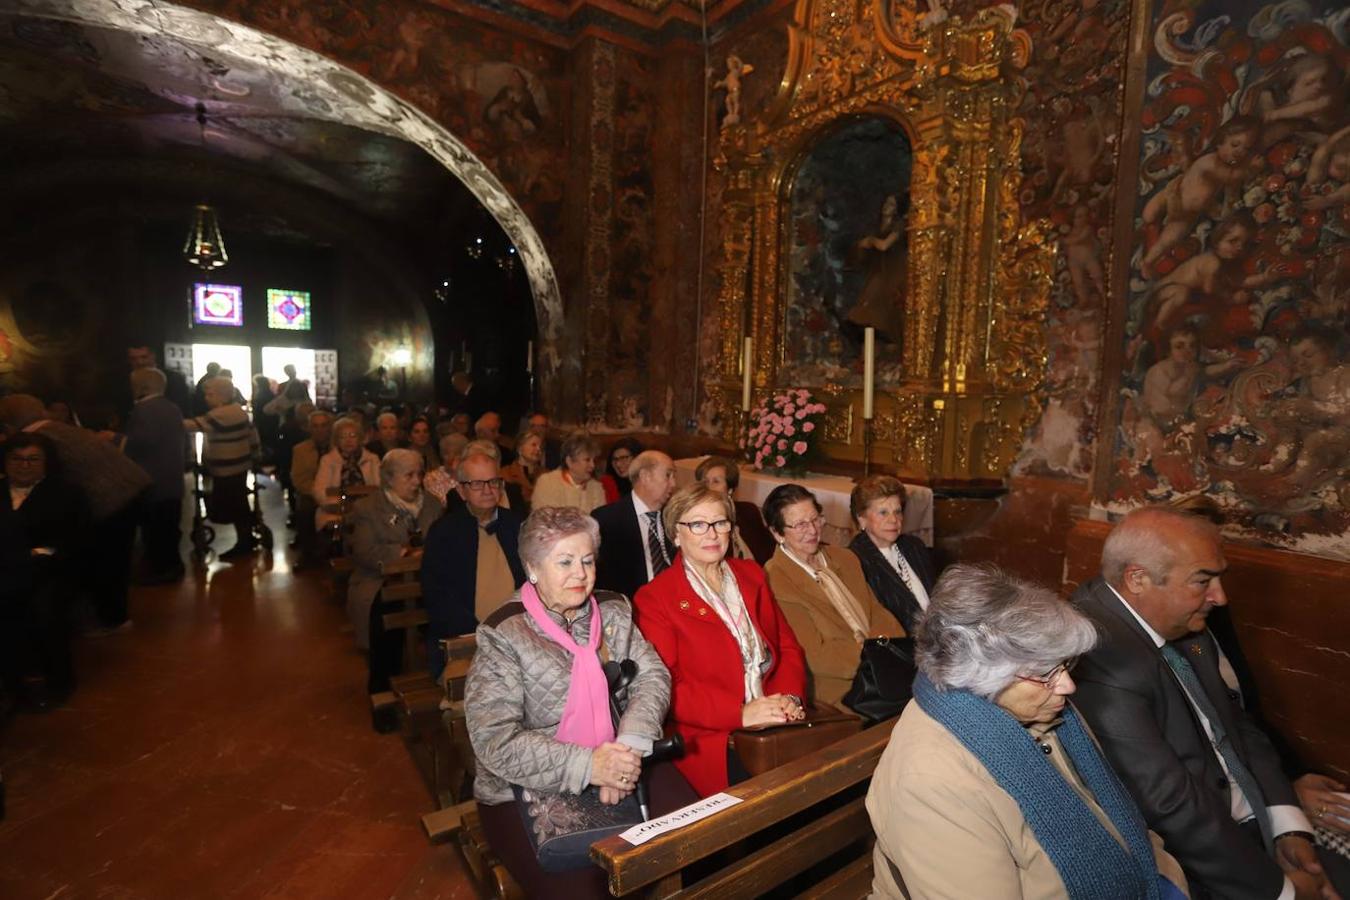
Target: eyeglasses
(806, 525)
(1049, 679)
(721, 526)
(494, 484)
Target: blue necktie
(1241, 775)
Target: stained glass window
(288, 309)
(217, 304)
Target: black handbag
(562, 827)
(884, 681)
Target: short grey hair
(471, 452)
(1143, 539)
(485, 448)
(452, 446)
(549, 524)
(385, 415)
(220, 383)
(984, 627)
(315, 413)
(396, 461)
(147, 383)
(346, 423)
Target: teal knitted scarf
(1092, 863)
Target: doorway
(276, 359)
(235, 358)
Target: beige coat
(945, 829)
(831, 650)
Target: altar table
(833, 492)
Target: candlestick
(529, 358)
(746, 366)
(468, 362)
(869, 369)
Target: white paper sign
(644, 832)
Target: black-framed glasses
(483, 484)
(800, 527)
(698, 526)
(1048, 679)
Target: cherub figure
(1170, 384)
(1331, 159)
(731, 83)
(1321, 410)
(1189, 195)
(1082, 251)
(1312, 99)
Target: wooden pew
(806, 791)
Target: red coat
(707, 678)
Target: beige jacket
(552, 489)
(831, 651)
(945, 829)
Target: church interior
(1045, 262)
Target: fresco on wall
(1069, 157)
(847, 257)
(1236, 379)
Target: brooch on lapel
(393, 520)
(684, 604)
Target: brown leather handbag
(766, 747)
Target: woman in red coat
(733, 658)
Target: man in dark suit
(140, 356)
(634, 547)
(471, 564)
(156, 441)
(1205, 777)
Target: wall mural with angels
(1236, 380)
(847, 260)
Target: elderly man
(111, 483)
(1205, 777)
(140, 356)
(228, 454)
(634, 547)
(156, 441)
(305, 458)
(386, 435)
(489, 428)
(472, 563)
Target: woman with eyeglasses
(991, 785)
(734, 661)
(822, 592)
(615, 480)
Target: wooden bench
(822, 830)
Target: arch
(334, 92)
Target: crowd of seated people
(1097, 748)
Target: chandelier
(204, 248)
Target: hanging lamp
(205, 247)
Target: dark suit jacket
(55, 515)
(886, 583)
(450, 574)
(1155, 742)
(622, 566)
(707, 675)
(157, 443)
(757, 536)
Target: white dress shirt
(644, 524)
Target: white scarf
(850, 609)
(730, 608)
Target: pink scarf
(586, 721)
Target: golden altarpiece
(978, 283)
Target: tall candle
(746, 367)
(529, 358)
(869, 369)
(468, 362)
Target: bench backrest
(820, 779)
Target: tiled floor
(220, 748)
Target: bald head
(653, 476)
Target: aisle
(221, 747)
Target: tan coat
(831, 650)
(945, 829)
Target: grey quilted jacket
(517, 689)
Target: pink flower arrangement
(782, 433)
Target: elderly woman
(822, 592)
(386, 526)
(732, 655)
(898, 567)
(528, 734)
(750, 539)
(228, 453)
(529, 463)
(616, 480)
(572, 484)
(346, 465)
(991, 785)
